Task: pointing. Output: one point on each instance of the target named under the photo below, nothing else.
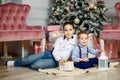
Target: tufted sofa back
(13, 16)
(117, 8)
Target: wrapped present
(92, 42)
(53, 28)
(37, 47)
(49, 45)
(111, 50)
(108, 27)
(53, 35)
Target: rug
(118, 66)
(76, 71)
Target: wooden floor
(21, 73)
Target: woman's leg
(29, 59)
(44, 64)
(47, 61)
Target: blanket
(76, 71)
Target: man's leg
(47, 61)
(93, 60)
(83, 65)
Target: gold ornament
(76, 20)
(91, 5)
(95, 7)
(105, 9)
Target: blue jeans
(41, 60)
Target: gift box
(53, 35)
(111, 50)
(37, 47)
(49, 45)
(93, 43)
(108, 27)
(52, 28)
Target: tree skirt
(76, 71)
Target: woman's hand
(61, 62)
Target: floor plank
(21, 73)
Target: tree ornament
(88, 8)
(68, 9)
(91, 5)
(63, 1)
(58, 9)
(68, 3)
(70, 13)
(105, 9)
(53, 8)
(76, 20)
(95, 7)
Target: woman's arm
(56, 50)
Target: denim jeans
(41, 60)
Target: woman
(50, 59)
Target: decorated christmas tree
(87, 15)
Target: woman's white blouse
(63, 47)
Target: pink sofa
(112, 32)
(13, 25)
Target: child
(50, 59)
(80, 53)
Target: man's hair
(83, 32)
(68, 23)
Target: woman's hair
(68, 23)
(81, 33)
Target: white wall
(111, 13)
(39, 13)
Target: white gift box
(68, 66)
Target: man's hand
(84, 59)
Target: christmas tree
(87, 15)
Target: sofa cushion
(13, 23)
